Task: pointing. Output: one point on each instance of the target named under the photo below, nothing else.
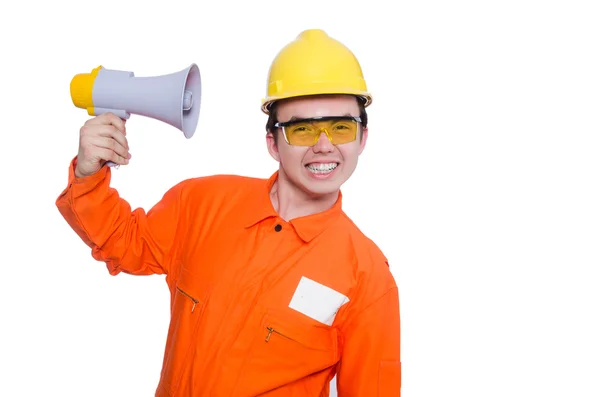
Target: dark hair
(273, 117)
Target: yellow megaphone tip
(82, 86)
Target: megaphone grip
(117, 112)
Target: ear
(363, 141)
(272, 146)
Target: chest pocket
(189, 300)
(286, 348)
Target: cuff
(80, 186)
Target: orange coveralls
(259, 306)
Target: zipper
(189, 296)
(271, 330)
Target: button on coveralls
(259, 306)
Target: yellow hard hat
(314, 64)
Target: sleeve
(127, 241)
(370, 363)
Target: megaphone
(173, 98)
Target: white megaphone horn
(172, 98)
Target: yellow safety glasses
(306, 132)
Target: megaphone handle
(118, 112)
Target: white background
(479, 181)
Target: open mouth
(321, 168)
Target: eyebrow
(293, 118)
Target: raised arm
(129, 241)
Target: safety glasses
(306, 132)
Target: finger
(118, 122)
(110, 144)
(110, 131)
(109, 119)
(110, 155)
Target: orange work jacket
(259, 306)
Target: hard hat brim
(268, 102)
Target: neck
(291, 202)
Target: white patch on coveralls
(317, 301)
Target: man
(274, 291)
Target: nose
(323, 144)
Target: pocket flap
(309, 334)
(192, 286)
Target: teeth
(321, 168)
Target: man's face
(323, 167)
